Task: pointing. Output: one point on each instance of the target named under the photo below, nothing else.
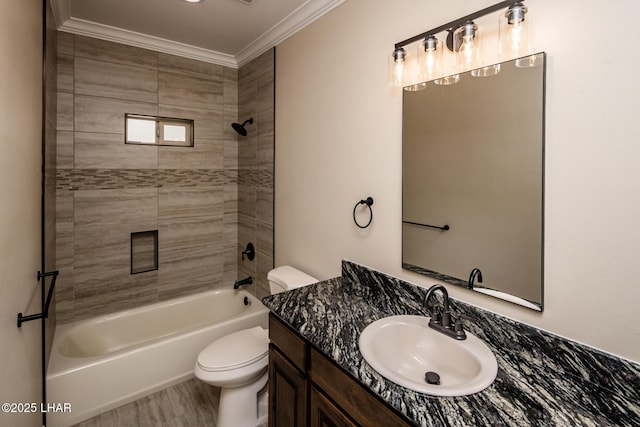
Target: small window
(158, 130)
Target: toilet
(237, 363)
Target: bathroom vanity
(306, 388)
(318, 375)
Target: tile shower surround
(543, 379)
(105, 190)
(256, 94)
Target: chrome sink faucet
(441, 319)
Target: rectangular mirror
(472, 180)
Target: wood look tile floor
(188, 404)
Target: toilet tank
(286, 277)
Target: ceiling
(225, 32)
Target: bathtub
(101, 363)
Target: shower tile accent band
(261, 178)
(108, 179)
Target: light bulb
(516, 37)
(466, 51)
(514, 33)
(468, 54)
(429, 57)
(397, 70)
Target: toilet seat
(235, 351)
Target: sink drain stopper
(432, 378)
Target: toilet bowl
(238, 362)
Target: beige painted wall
(20, 160)
(338, 140)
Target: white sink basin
(404, 348)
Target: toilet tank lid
(289, 277)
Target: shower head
(240, 127)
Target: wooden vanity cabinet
(288, 381)
(307, 389)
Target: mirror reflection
(473, 163)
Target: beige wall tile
(264, 238)
(102, 209)
(187, 277)
(103, 223)
(231, 200)
(65, 73)
(176, 204)
(191, 256)
(99, 78)
(89, 305)
(65, 111)
(246, 231)
(207, 123)
(189, 67)
(264, 205)
(108, 151)
(265, 151)
(65, 43)
(247, 147)
(106, 115)
(205, 154)
(102, 50)
(231, 249)
(247, 201)
(64, 149)
(230, 154)
(189, 91)
(189, 239)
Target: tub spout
(239, 283)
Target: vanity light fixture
(464, 42)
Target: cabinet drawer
(354, 399)
(288, 342)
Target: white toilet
(237, 363)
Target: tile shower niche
(144, 251)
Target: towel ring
(368, 202)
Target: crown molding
(297, 20)
(61, 11)
(131, 38)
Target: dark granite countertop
(543, 380)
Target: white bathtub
(101, 363)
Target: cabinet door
(287, 393)
(361, 405)
(326, 414)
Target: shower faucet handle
(249, 252)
